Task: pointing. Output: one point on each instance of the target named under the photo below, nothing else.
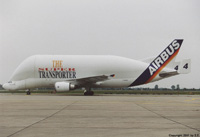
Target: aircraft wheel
(28, 92)
(91, 93)
(88, 93)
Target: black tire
(89, 93)
(28, 93)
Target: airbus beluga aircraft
(68, 72)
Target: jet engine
(64, 86)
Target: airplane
(69, 72)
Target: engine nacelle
(63, 86)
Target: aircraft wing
(91, 80)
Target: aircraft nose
(4, 86)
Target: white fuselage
(45, 70)
(67, 72)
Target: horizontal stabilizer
(168, 74)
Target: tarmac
(45, 115)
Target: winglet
(159, 63)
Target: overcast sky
(131, 28)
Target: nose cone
(5, 86)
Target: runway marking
(168, 118)
(193, 99)
(43, 119)
(164, 104)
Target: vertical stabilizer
(162, 60)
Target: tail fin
(167, 55)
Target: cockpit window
(9, 81)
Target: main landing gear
(28, 92)
(88, 92)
